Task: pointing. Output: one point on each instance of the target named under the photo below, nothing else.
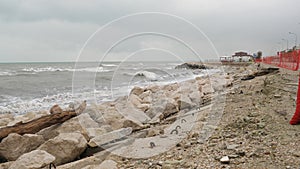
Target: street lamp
(287, 43)
(291, 33)
(281, 45)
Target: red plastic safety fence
(287, 60)
(296, 118)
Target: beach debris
(52, 165)
(178, 127)
(38, 124)
(260, 72)
(175, 130)
(152, 144)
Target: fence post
(296, 118)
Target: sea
(30, 87)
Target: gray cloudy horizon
(43, 31)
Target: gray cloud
(56, 30)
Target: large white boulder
(15, 145)
(33, 160)
(77, 124)
(108, 137)
(65, 147)
(80, 164)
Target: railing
(288, 60)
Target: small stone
(277, 96)
(232, 146)
(261, 125)
(108, 164)
(296, 154)
(241, 153)
(225, 160)
(160, 163)
(233, 156)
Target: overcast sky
(48, 30)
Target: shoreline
(153, 112)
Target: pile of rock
(192, 66)
(69, 144)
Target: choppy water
(37, 86)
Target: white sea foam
(148, 75)
(53, 69)
(18, 106)
(7, 73)
(109, 65)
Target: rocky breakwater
(193, 65)
(86, 140)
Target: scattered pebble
(225, 160)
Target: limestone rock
(93, 132)
(155, 110)
(132, 124)
(153, 88)
(108, 164)
(6, 165)
(225, 160)
(80, 164)
(137, 91)
(135, 100)
(65, 147)
(170, 107)
(77, 124)
(14, 145)
(81, 107)
(138, 103)
(22, 118)
(131, 111)
(207, 89)
(147, 100)
(184, 102)
(162, 108)
(33, 160)
(145, 94)
(7, 115)
(108, 137)
(195, 97)
(4, 121)
(232, 146)
(112, 117)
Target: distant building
(226, 59)
(242, 57)
(237, 57)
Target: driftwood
(262, 72)
(38, 124)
